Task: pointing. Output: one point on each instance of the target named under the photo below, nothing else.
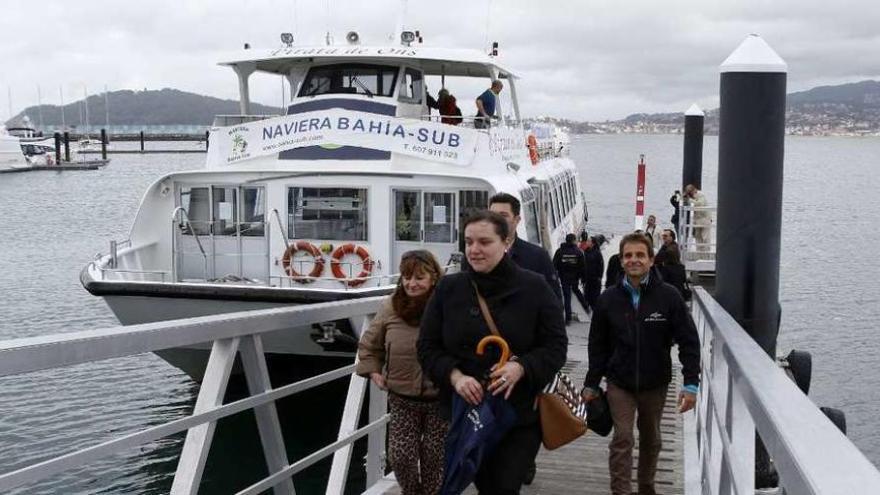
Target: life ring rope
(287, 261)
(366, 264)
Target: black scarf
(499, 281)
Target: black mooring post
(750, 158)
(142, 141)
(103, 144)
(692, 167)
(66, 146)
(750, 155)
(57, 147)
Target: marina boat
(11, 155)
(319, 204)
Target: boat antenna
(488, 18)
(329, 38)
(9, 100)
(295, 20)
(401, 19)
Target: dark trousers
(624, 405)
(502, 472)
(567, 290)
(592, 287)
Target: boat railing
(744, 392)
(178, 217)
(696, 237)
(232, 337)
(230, 120)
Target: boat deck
(582, 466)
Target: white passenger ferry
(320, 204)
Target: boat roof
(433, 61)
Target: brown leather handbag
(561, 409)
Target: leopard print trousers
(416, 439)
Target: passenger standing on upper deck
(631, 335)
(387, 353)
(486, 105)
(528, 316)
(523, 253)
(449, 111)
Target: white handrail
(744, 391)
(231, 332)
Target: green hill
(148, 107)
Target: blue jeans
(567, 290)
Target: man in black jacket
(592, 247)
(523, 253)
(571, 267)
(631, 335)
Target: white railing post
(198, 439)
(256, 372)
(376, 439)
(351, 414)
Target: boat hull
(291, 352)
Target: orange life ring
(532, 144)
(286, 261)
(366, 262)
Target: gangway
(743, 393)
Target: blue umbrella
(475, 431)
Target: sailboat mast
(61, 94)
(40, 106)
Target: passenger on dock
(523, 253)
(614, 272)
(667, 238)
(673, 271)
(486, 104)
(528, 316)
(388, 357)
(572, 269)
(636, 365)
(652, 231)
(701, 219)
(675, 201)
(592, 247)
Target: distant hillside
(845, 109)
(163, 107)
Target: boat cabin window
(327, 213)
(196, 202)
(361, 79)
(216, 210)
(412, 86)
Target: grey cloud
(581, 60)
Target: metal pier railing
(743, 392)
(230, 335)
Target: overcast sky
(584, 60)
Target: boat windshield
(362, 79)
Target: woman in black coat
(528, 316)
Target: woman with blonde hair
(387, 356)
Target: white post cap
(694, 111)
(754, 55)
